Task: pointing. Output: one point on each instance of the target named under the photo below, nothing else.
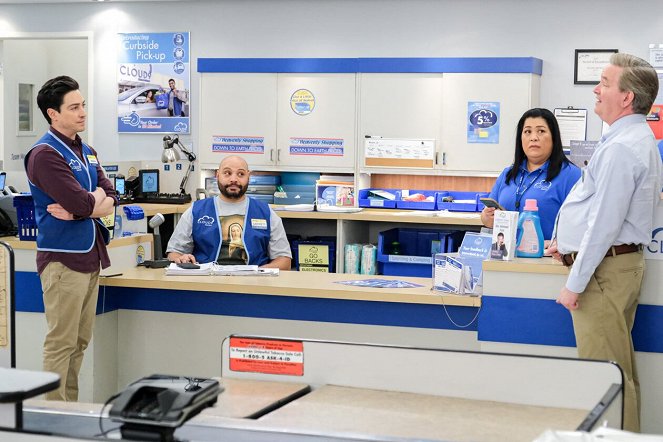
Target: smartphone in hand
(489, 202)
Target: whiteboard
(399, 152)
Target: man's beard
(233, 195)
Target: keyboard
(161, 198)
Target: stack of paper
(243, 270)
(174, 270)
(211, 268)
(237, 270)
(462, 273)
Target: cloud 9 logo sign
(483, 118)
(208, 221)
(655, 248)
(75, 165)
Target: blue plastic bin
(415, 257)
(265, 180)
(296, 194)
(25, 217)
(474, 206)
(419, 205)
(366, 200)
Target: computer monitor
(120, 185)
(149, 181)
(3, 178)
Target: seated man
(231, 228)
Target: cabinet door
(515, 93)
(316, 122)
(238, 117)
(400, 106)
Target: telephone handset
(161, 403)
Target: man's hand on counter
(551, 250)
(181, 257)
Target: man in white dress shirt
(607, 218)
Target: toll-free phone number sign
(267, 356)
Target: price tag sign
(267, 356)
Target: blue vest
(54, 235)
(207, 235)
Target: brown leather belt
(569, 258)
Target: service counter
(149, 323)
(519, 315)
(351, 391)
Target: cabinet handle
(271, 155)
(444, 158)
(436, 156)
(278, 155)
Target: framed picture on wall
(25, 116)
(589, 64)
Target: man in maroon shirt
(71, 193)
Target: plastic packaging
(352, 258)
(369, 259)
(133, 220)
(530, 235)
(117, 229)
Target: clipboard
(572, 125)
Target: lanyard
(520, 192)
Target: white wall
(33, 61)
(549, 30)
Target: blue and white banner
(238, 144)
(153, 79)
(325, 147)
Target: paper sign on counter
(267, 356)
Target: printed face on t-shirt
(232, 250)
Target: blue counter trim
(258, 306)
(525, 321)
(28, 292)
(648, 328)
(374, 65)
(293, 308)
(29, 296)
(544, 322)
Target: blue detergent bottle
(530, 236)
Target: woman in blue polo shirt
(540, 171)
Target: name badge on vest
(92, 159)
(259, 224)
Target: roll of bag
(369, 254)
(352, 258)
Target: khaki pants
(70, 302)
(604, 320)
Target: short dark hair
(557, 157)
(51, 95)
(500, 234)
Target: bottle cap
(530, 204)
